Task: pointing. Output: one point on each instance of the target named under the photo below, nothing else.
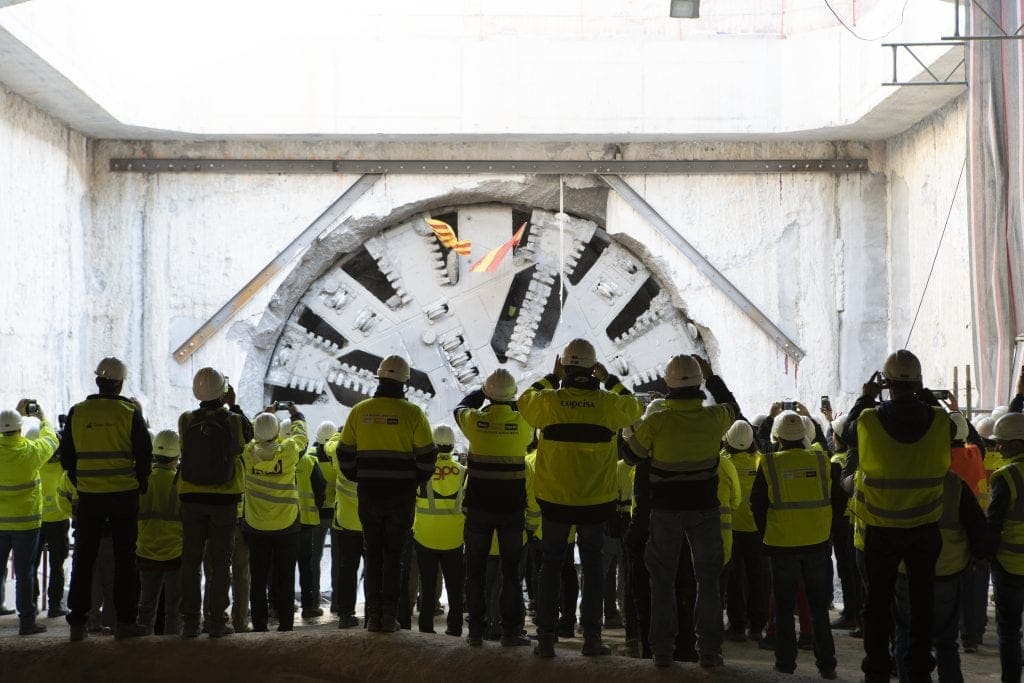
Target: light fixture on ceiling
(685, 9)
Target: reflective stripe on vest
(799, 510)
(902, 483)
(20, 487)
(102, 429)
(1010, 552)
(955, 554)
(346, 505)
(496, 466)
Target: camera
(789, 405)
(283, 405)
(941, 394)
(32, 408)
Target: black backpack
(207, 450)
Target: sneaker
(593, 647)
(662, 661)
(78, 632)
(710, 661)
(545, 647)
(347, 621)
(312, 613)
(31, 629)
(475, 640)
(190, 631)
(829, 674)
(55, 613)
(220, 630)
(130, 631)
(514, 641)
(804, 642)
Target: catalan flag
(447, 237)
(493, 259)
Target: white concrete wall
(922, 169)
(44, 219)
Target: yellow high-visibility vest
(683, 440)
(58, 493)
(746, 465)
(955, 553)
(800, 497)
(439, 520)
(102, 432)
(309, 514)
(271, 494)
(21, 491)
(728, 499)
(1010, 552)
(160, 530)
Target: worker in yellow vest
(902, 449)
(160, 534)
(324, 431)
(107, 453)
(346, 542)
(495, 500)
(387, 447)
(312, 493)
(1005, 521)
(21, 503)
(794, 497)
(842, 545)
(438, 533)
(747, 600)
(59, 497)
(962, 526)
(272, 513)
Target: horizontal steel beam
(428, 167)
(650, 214)
(335, 211)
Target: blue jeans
(1009, 594)
(702, 528)
(816, 570)
(590, 538)
(480, 527)
(945, 628)
(24, 544)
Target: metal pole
(956, 383)
(297, 246)
(970, 408)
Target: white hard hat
(1009, 427)
(740, 435)
(789, 426)
(500, 385)
(758, 420)
(283, 425)
(902, 366)
(839, 425)
(580, 353)
(682, 371)
(655, 406)
(166, 444)
(266, 427)
(999, 411)
(809, 429)
(985, 426)
(444, 435)
(961, 426)
(394, 367)
(325, 431)
(30, 427)
(208, 385)
(10, 421)
(112, 369)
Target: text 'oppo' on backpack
(207, 450)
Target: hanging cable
(857, 35)
(938, 246)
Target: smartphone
(32, 408)
(826, 405)
(62, 420)
(283, 405)
(941, 394)
(789, 405)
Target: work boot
(633, 648)
(662, 661)
(735, 635)
(710, 661)
(475, 640)
(593, 647)
(312, 613)
(373, 623)
(5, 611)
(347, 621)
(78, 632)
(566, 630)
(388, 624)
(129, 631)
(514, 640)
(220, 630)
(56, 612)
(614, 621)
(805, 642)
(828, 674)
(30, 629)
(189, 630)
(545, 647)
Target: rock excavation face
(403, 292)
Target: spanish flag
(447, 237)
(493, 259)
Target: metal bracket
(640, 205)
(294, 248)
(935, 78)
(1003, 34)
(544, 167)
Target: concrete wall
(922, 167)
(44, 220)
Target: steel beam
(432, 166)
(648, 212)
(333, 212)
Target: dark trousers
(23, 545)
(747, 597)
(554, 545)
(481, 525)
(884, 549)
(568, 589)
(1009, 594)
(453, 570)
(319, 536)
(387, 523)
(974, 603)
(121, 511)
(945, 628)
(640, 583)
(207, 544)
(277, 552)
(816, 570)
(346, 551)
(846, 567)
(53, 538)
(309, 590)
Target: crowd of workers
(689, 507)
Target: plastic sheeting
(995, 141)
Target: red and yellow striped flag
(447, 237)
(493, 259)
